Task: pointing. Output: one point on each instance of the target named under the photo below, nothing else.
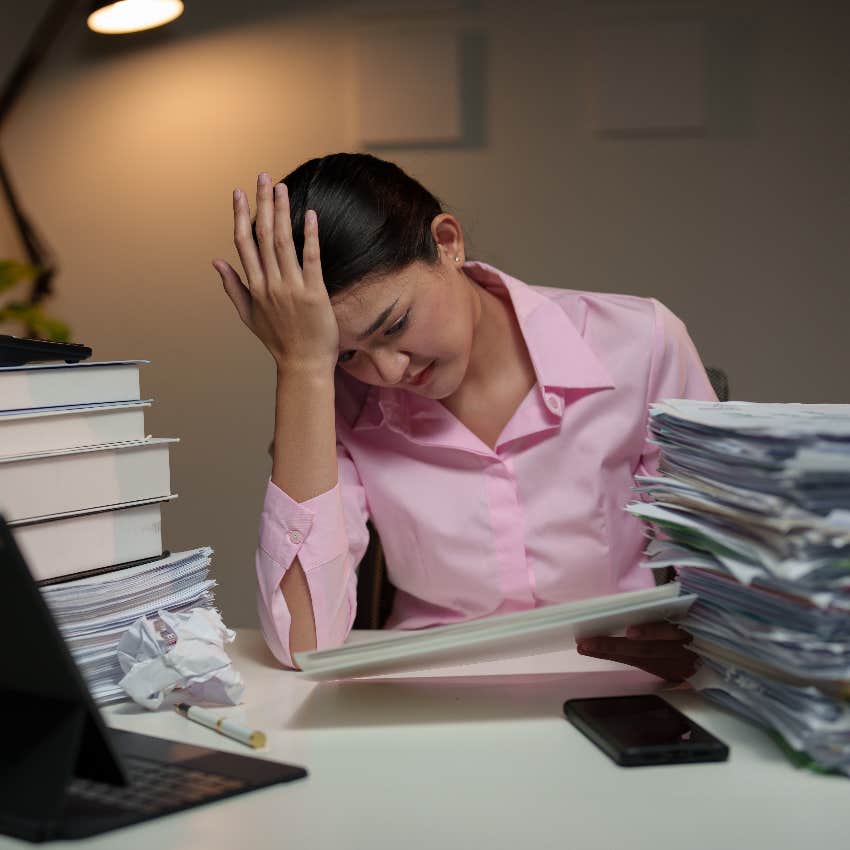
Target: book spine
(25, 388)
(64, 547)
(79, 481)
(70, 431)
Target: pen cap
(254, 738)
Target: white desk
(478, 762)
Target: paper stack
(81, 487)
(94, 612)
(752, 504)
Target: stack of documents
(752, 504)
(93, 613)
(81, 487)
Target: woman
(490, 429)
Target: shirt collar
(561, 358)
(559, 354)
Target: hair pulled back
(374, 219)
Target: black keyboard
(155, 788)
(17, 351)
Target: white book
(66, 545)
(55, 384)
(548, 629)
(51, 428)
(36, 485)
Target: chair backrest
(719, 382)
(375, 592)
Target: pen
(222, 725)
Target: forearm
(302, 631)
(304, 465)
(304, 453)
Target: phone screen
(643, 729)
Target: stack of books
(752, 505)
(82, 488)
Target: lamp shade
(133, 15)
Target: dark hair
(373, 218)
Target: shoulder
(615, 325)
(583, 307)
(612, 318)
(642, 343)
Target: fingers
(312, 257)
(658, 631)
(284, 247)
(265, 230)
(629, 648)
(670, 670)
(665, 659)
(235, 289)
(244, 241)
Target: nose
(390, 365)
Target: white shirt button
(553, 402)
(295, 537)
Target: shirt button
(295, 537)
(553, 402)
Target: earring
(457, 259)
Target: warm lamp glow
(134, 15)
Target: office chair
(375, 592)
(719, 382)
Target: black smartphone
(644, 729)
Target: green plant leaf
(14, 271)
(37, 322)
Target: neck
(494, 339)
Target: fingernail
(263, 179)
(237, 194)
(311, 218)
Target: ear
(448, 235)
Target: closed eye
(399, 326)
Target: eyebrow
(378, 322)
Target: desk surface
(449, 761)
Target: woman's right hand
(286, 306)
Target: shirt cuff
(313, 531)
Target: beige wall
(127, 162)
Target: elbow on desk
(301, 643)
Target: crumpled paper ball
(179, 650)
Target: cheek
(435, 338)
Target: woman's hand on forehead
(284, 304)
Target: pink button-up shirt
(467, 530)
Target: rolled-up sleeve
(328, 535)
(676, 371)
